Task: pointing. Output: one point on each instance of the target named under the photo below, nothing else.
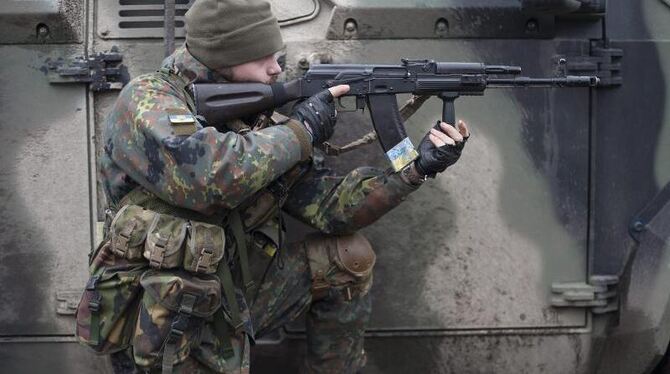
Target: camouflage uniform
(209, 171)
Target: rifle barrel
(569, 81)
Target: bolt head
(532, 25)
(42, 30)
(441, 27)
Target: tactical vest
(162, 272)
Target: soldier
(187, 201)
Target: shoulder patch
(182, 124)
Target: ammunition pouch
(128, 231)
(108, 307)
(172, 313)
(340, 263)
(205, 247)
(164, 247)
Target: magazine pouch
(204, 247)
(173, 310)
(165, 240)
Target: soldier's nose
(274, 68)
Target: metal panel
(144, 18)
(50, 21)
(45, 230)
(376, 19)
(550, 354)
(46, 357)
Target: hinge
(603, 62)
(103, 71)
(67, 301)
(600, 294)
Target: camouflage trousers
(335, 324)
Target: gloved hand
(318, 113)
(441, 148)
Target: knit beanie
(223, 33)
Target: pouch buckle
(95, 303)
(180, 324)
(92, 282)
(120, 245)
(178, 327)
(204, 260)
(158, 255)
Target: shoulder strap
(179, 84)
(242, 250)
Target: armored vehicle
(544, 250)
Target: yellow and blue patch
(182, 124)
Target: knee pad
(341, 263)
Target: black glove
(319, 114)
(432, 159)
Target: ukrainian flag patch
(182, 124)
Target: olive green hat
(223, 33)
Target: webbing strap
(94, 308)
(179, 84)
(223, 272)
(95, 328)
(222, 332)
(242, 250)
(179, 325)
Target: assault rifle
(374, 86)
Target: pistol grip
(448, 109)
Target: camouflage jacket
(210, 170)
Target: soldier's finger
(435, 140)
(451, 132)
(443, 137)
(339, 90)
(463, 128)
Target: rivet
(350, 26)
(42, 31)
(441, 27)
(638, 226)
(532, 25)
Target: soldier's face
(263, 70)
